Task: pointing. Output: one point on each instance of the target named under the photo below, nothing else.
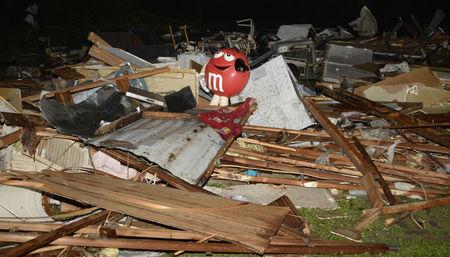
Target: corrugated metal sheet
(183, 147)
(65, 153)
(20, 161)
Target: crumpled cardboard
(418, 86)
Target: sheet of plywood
(13, 96)
(5, 106)
(172, 81)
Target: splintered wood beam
(351, 151)
(373, 169)
(44, 239)
(422, 205)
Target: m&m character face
(227, 72)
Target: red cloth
(225, 121)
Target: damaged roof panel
(183, 147)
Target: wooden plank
(223, 174)
(227, 175)
(170, 245)
(352, 153)
(293, 219)
(97, 40)
(288, 169)
(294, 162)
(105, 56)
(11, 138)
(44, 239)
(168, 115)
(64, 97)
(94, 229)
(429, 125)
(151, 233)
(24, 120)
(68, 73)
(375, 173)
(390, 172)
(119, 123)
(422, 205)
(320, 136)
(53, 133)
(99, 83)
(385, 168)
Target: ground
(432, 240)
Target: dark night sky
(65, 18)
(266, 13)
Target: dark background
(67, 22)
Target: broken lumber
(437, 135)
(11, 138)
(421, 205)
(327, 247)
(246, 224)
(352, 153)
(99, 83)
(373, 169)
(44, 239)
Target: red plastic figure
(226, 75)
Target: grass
(432, 240)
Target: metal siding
(183, 147)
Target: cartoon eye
(218, 54)
(229, 57)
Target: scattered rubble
(120, 151)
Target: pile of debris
(116, 152)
